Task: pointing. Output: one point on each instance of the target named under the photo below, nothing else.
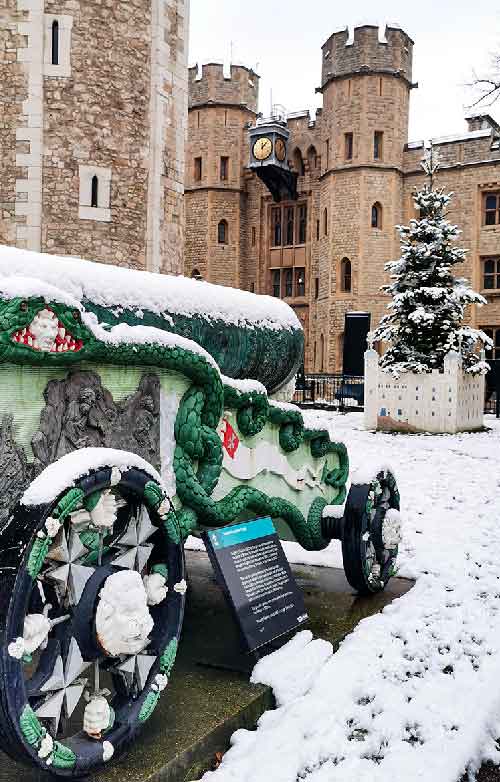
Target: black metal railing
(347, 392)
(331, 392)
(492, 396)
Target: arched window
(325, 222)
(345, 275)
(376, 215)
(298, 163)
(55, 43)
(322, 353)
(94, 192)
(312, 158)
(222, 232)
(195, 274)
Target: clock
(280, 149)
(262, 148)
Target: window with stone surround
(348, 145)
(289, 225)
(276, 226)
(300, 282)
(378, 138)
(222, 232)
(491, 208)
(302, 226)
(316, 287)
(325, 222)
(491, 273)
(224, 169)
(95, 193)
(376, 217)
(254, 236)
(57, 45)
(289, 283)
(276, 282)
(345, 275)
(494, 333)
(198, 169)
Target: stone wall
(116, 102)
(13, 79)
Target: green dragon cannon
(137, 410)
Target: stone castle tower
(363, 129)
(220, 111)
(325, 253)
(94, 118)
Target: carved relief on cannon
(80, 413)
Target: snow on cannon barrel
(249, 336)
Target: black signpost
(251, 566)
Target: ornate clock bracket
(268, 159)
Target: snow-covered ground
(413, 693)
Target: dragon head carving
(34, 329)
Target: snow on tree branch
(425, 318)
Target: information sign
(251, 566)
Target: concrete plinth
(209, 695)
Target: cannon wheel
(370, 537)
(55, 559)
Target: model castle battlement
(241, 88)
(367, 51)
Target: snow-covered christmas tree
(428, 304)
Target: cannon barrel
(249, 336)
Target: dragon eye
(23, 306)
(76, 315)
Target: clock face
(280, 149)
(262, 148)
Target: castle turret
(366, 83)
(221, 109)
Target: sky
(282, 40)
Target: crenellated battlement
(367, 51)
(240, 88)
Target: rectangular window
(301, 237)
(327, 156)
(300, 282)
(224, 169)
(290, 214)
(377, 144)
(197, 169)
(348, 140)
(317, 230)
(276, 280)
(288, 283)
(253, 236)
(316, 287)
(276, 226)
(491, 274)
(494, 333)
(491, 210)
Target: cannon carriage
(137, 410)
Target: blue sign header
(241, 533)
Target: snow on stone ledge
(63, 473)
(116, 287)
